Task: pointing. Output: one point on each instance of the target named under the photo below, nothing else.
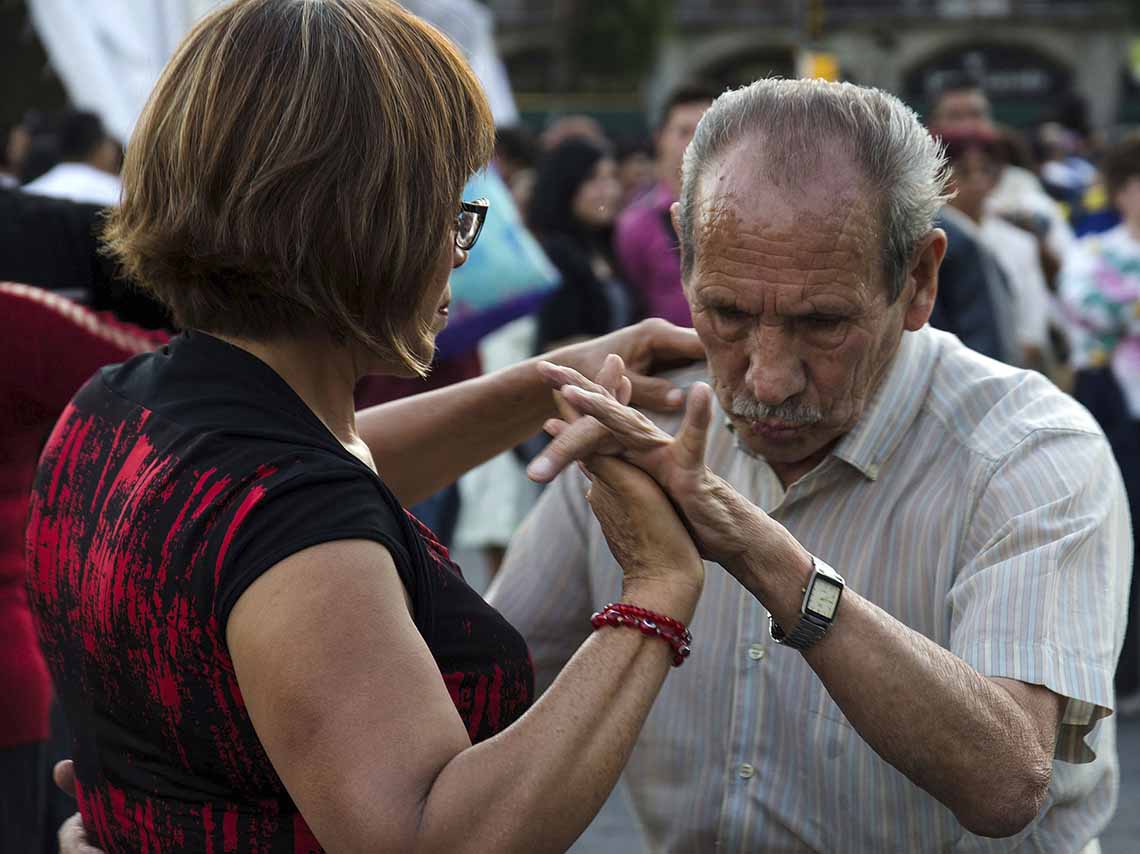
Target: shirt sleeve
(291, 506)
(1043, 596)
(543, 587)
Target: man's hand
(726, 526)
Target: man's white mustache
(747, 407)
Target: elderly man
(933, 548)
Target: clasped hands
(610, 441)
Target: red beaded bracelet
(648, 622)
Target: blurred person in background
(516, 156)
(572, 209)
(9, 174)
(89, 165)
(1100, 290)
(54, 244)
(1019, 294)
(644, 241)
(1065, 172)
(257, 647)
(566, 127)
(19, 139)
(961, 105)
(637, 169)
(964, 304)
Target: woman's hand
(647, 347)
(72, 834)
(662, 568)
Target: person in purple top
(644, 241)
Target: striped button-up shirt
(975, 503)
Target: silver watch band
(807, 631)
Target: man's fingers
(577, 441)
(64, 775)
(655, 393)
(554, 426)
(630, 427)
(692, 436)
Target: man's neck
(789, 473)
(1132, 226)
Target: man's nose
(775, 372)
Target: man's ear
(921, 288)
(675, 216)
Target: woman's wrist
(674, 599)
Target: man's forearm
(958, 735)
(423, 443)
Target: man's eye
(821, 321)
(729, 313)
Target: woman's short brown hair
(297, 169)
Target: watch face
(824, 597)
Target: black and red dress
(170, 483)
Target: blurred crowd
(1043, 272)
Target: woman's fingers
(558, 376)
(625, 391)
(573, 441)
(647, 392)
(674, 344)
(64, 775)
(611, 374)
(654, 393)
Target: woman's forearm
(536, 786)
(423, 443)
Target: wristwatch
(817, 612)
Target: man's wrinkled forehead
(740, 201)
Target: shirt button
(756, 651)
(746, 771)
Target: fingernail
(539, 469)
(675, 398)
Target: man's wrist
(777, 577)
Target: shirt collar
(893, 407)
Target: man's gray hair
(799, 124)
